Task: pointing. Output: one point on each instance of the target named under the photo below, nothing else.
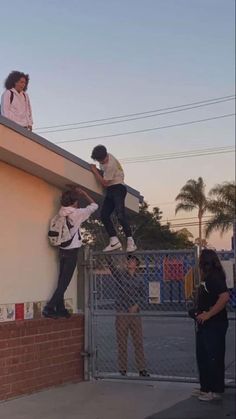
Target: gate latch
(86, 354)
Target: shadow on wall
(194, 409)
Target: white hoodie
(19, 110)
(76, 216)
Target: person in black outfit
(212, 324)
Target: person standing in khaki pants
(129, 292)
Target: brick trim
(37, 354)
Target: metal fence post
(87, 315)
(197, 273)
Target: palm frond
(225, 192)
(219, 222)
(184, 207)
(192, 195)
(218, 207)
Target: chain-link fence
(139, 324)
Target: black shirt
(208, 295)
(127, 290)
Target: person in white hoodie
(68, 255)
(15, 103)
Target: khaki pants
(125, 324)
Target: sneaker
(64, 313)
(131, 246)
(113, 246)
(206, 397)
(217, 396)
(123, 373)
(144, 373)
(49, 313)
(197, 392)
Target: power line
(177, 153)
(136, 114)
(162, 203)
(193, 224)
(185, 218)
(181, 155)
(138, 117)
(147, 129)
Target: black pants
(210, 348)
(68, 261)
(115, 201)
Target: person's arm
(134, 309)
(84, 213)
(138, 297)
(98, 176)
(90, 209)
(81, 192)
(6, 105)
(219, 306)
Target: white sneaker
(131, 246)
(113, 246)
(206, 397)
(197, 392)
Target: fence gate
(137, 321)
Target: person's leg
(68, 260)
(202, 362)
(215, 336)
(220, 379)
(137, 337)
(107, 209)
(119, 193)
(122, 331)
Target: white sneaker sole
(110, 248)
(131, 249)
(205, 399)
(196, 393)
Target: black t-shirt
(209, 291)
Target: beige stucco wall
(19, 151)
(32, 174)
(28, 268)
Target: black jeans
(210, 349)
(68, 261)
(115, 201)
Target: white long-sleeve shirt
(19, 110)
(76, 217)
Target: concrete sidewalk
(118, 400)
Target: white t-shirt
(76, 216)
(112, 171)
(19, 110)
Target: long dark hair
(209, 264)
(14, 77)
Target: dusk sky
(89, 60)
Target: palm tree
(222, 207)
(192, 196)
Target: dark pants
(68, 261)
(115, 202)
(210, 348)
